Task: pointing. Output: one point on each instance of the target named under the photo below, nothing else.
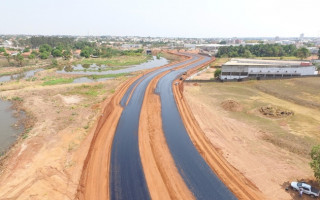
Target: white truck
(306, 189)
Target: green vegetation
(35, 42)
(296, 133)
(17, 99)
(56, 81)
(115, 61)
(108, 76)
(8, 57)
(86, 52)
(2, 50)
(45, 48)
(315, 163)
(32, 56)
(158, 55)
(27, 49)
(260, 50)
(88, 90)
(67, 54)
(56, 53)
(319, 53)
(302, 53)
(217, 73)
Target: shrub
(315, 163)
(217, 73)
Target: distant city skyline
(180, 18)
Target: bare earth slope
(269, 151)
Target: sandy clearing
(48, 163)
(265, 165)
(70, 99)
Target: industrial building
(254, 68)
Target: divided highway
(113, 168)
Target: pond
(9, 128)
(103, 69)
(22, 75)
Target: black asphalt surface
(198, 176)
(127, 179)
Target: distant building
(131, 46)
(246, 68)
(301, 36)
(7, 44)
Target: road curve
(113, 168)
(127, 179)
(195, 171)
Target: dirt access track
(162, 176)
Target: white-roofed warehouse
(254, 68)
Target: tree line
(262, 50)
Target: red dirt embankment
(232, 178)
(94, 182)
(163, 178)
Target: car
(306, 189)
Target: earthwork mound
(275, 112)
(231, 105)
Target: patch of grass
(17, 99)
(115, 61)
(89, 90)
(58, 81)
(219, 62)
(302, 96)
(278, 58)
(86, 127)
(25, 136)
(108, 76)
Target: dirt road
(155, 157)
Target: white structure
(7, 44)
(243, 68)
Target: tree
(315, 163)
(302, 53)
(56, 53)
(67, 54)
(217, 73)
(44, 55)
(86, 52)
(19, 58)
(26, 50)
(8, 56)
(247, 54)
(32, 56)
(54, 62)
(319, 53)
(45, 48)
(2, 50)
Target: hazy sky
(167, 18)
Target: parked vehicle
(306, 189)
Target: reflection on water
(8, 130)
(103, 69)
(22, 75)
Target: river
(8, 130)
